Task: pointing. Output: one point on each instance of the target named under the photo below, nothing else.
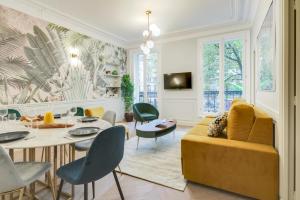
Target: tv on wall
(178, 80)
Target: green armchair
(144, 112)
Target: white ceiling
(125, 19)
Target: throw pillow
(217, 126)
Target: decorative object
(158, 162)
(127, 94)
(115, 73)
(265, 54)
(152, 31)
(217, 126)
(48, 118)
(44, 62)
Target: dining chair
(109, 116)
(11, 111)
(103, 157)
(16, 176)
(80, 112)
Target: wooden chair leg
(21, 194)
(86, 196)
(43, 152)
(93, 186)
(118, 185)
(51, 185)
(60, 188)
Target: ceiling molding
(242, 16)
(47, 13)
(203, 32)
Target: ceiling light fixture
(152, 31)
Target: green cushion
(148, 116)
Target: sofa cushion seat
(198, 130)
(206, 120)
(148, 116)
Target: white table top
(49, 137)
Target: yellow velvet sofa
(245, 162)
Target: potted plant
(127, 94)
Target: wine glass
(11, 118)
(3, 113)
(73, 111)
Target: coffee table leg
(138, 140)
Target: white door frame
(297, 102)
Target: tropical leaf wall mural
(35, 61)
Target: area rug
(158, 162)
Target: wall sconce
(74, 55)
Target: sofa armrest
(243, 167)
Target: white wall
(180, 56)
(268, 100)
(273, 102)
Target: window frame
(221, 38)
(132, 54)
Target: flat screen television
(178, 80)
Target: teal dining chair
(11, 111)
(103, 157)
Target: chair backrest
(140, 108)
(18, 115)
(80, 112)
(9, 177)
(104, 156)
(110, 116)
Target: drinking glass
(3, 113)
(12, 117)
(73, 111)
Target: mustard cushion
(94, 112)
(198, 130)
(206, 120)
(240, 120)
(262, 129)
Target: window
(222, 64)
(146, 78)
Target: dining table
(57, 146)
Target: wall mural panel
(42, 61)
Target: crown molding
(242, 17)
(195, 34)
(44, 12)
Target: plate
(12, 136)
(84, 131)
(88, 119)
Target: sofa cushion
(148, 116)
(262, 129)
(94, 112)
(198, 130)
(206, 120)
(217, 126)
(240, 120)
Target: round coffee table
(155, 129)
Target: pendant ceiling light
(152, 31)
